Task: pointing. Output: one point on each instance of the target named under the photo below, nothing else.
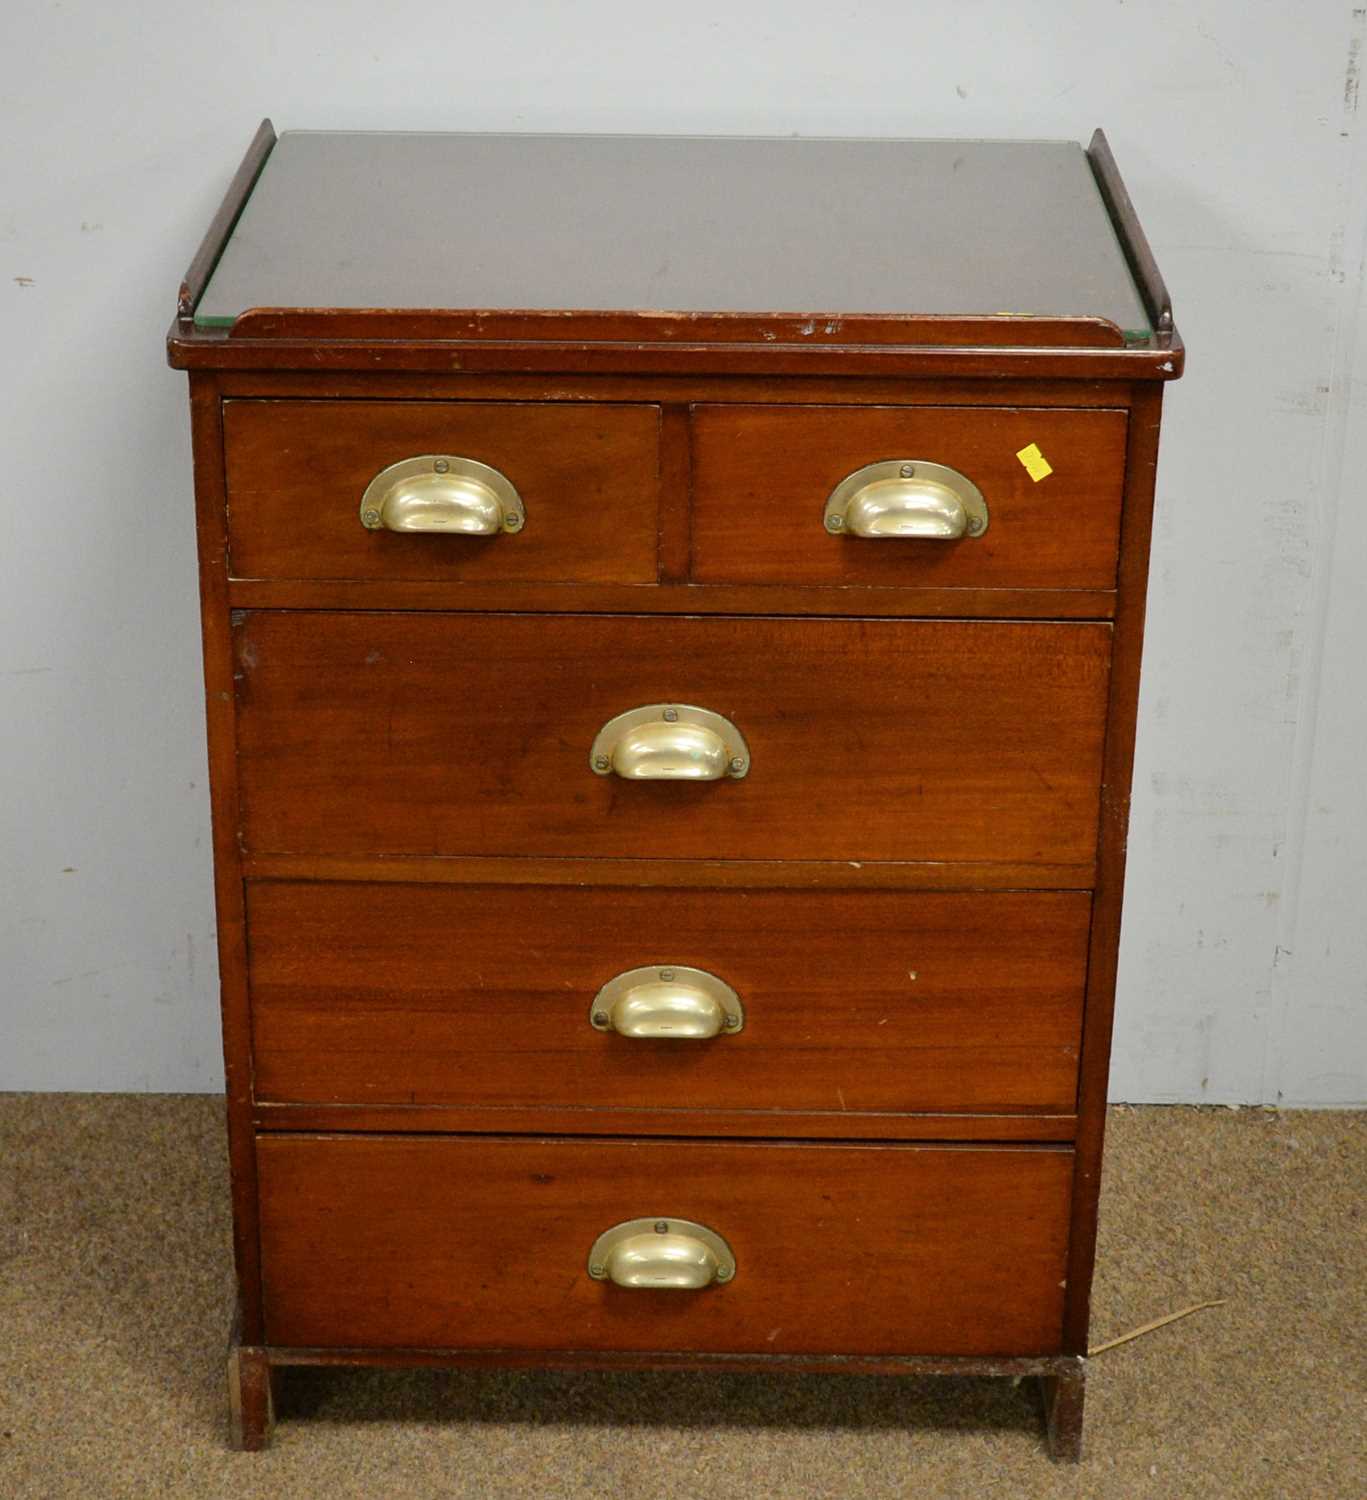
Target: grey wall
(1244, 963)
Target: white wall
(1244, 963)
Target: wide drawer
(762, 476)
(868, 739)
(587, 476)
(486, 997)
(439, 1242)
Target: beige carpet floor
(115, 1291)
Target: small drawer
(795, 1001)
(435, 734)
(762, 477)
(447, 1243)
(574, 497)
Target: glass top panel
(674, 224)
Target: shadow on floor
(672, 1399)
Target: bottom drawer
(437, 1242)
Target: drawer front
(438, 1242)
(868, 739)
(762, 476)
(587, 475)
(483, 996)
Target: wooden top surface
(671, 224)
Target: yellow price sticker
(1036, 465)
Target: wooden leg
(251, 1397)
(1064, 1395)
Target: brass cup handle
(667, 1004)
(670, 742)
(907, 497)
(669, 1255)
(442, 492)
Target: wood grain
(897, 601)
(588, 476)
(1064, 1395)
(221, 726)
(481, 996)
(447, 1242)
(221, 225)
(430, 862)
(675, 874)
(1007, 1366)
(470, 734)
(1007, 331)
(676, 493)
(865, 389)
(1134, 243)
(762, 475)
(252, 1383)
(1023, 1125)
(431, 351)
(1121, 713)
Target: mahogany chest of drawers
(672, 614)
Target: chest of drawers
(672, 614)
